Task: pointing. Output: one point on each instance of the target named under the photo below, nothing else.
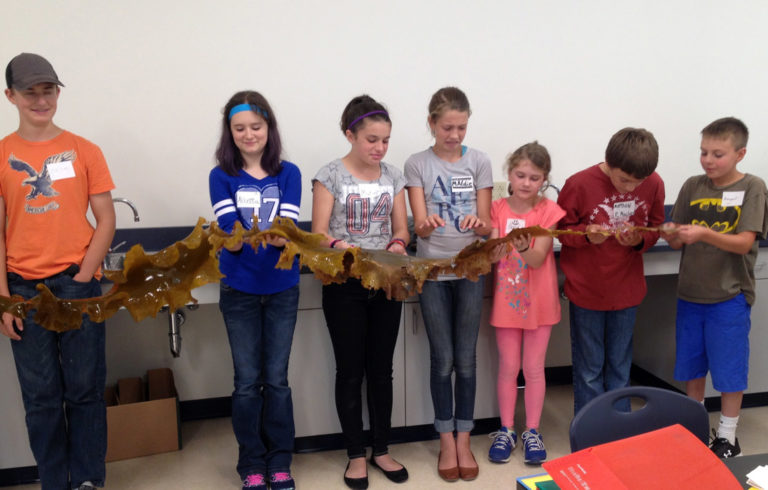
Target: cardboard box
(136, 427)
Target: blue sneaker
(534, 447)
(504, 442)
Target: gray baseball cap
(27, 69)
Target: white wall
(146, 80)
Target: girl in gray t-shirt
(449, 188)
(359, 201)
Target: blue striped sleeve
(222, 199)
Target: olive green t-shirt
(707, 273)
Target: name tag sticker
(514, 224)
(369, 190)
(249, 199)
(622, 211)
(734, 198)
(60, 170)
(462, 184)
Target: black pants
(363, 325)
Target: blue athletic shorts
(714, 337)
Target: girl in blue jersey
(252, 185)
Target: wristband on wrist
(334, 242)
(394, 241)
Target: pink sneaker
(282, 481)
(255, 481)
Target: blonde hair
(446, 99)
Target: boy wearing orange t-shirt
(48, 179)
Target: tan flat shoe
(448, 474)
(468, 474)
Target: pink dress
(525, 297)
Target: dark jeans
(452, 311)
(62, 377)
(363, 325)
(260, 329)
(601, 351)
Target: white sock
(727, 428)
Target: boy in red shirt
(604, 278)
(48, 179)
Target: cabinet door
(312, 375)
(14, 450)
(418, 401)
(486, 400)
(758, 340)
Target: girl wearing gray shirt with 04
(449, 188)
(359, 201)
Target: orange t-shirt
(46, 187)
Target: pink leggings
(510, 343)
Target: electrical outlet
(500, 190)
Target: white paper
(514, 224)
(465, 183)
(249, 199)
(60, 170)
(735, 198)
(758, 477)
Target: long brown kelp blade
(149, 282)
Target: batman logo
(709, 212)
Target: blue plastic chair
(599, 422)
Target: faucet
(130, 204)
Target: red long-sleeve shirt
(608, 276)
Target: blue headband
(247, 107)
(349, 128)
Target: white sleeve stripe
(223, 211)
(222, 203)
(289, 207)
(289, 214)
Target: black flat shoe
(396, 476)
(355, 483)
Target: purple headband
(349, 128)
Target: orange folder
(671, 458)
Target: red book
(671, 457)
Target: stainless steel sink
(113, 261)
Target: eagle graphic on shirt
(40, 183)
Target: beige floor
(210, 451)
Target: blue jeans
(62, 377)
(363, 325)
(451, 312)
(601, 348)
(260, 330)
